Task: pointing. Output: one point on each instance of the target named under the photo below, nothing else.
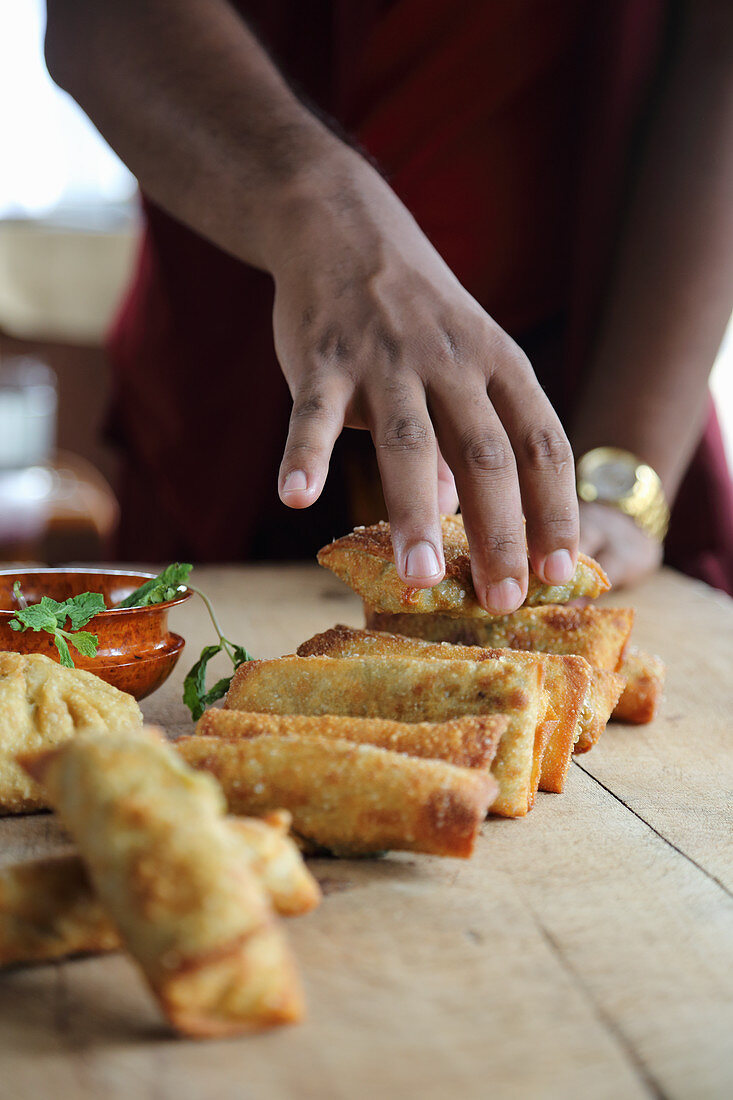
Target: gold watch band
(645, 502)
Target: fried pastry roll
(43, 703)
(469, 742)
(351, 799)
(566, 683)
(409, 690)
(603, 693)
(364, 559)
(599, 634)
(277, 862)
(169, 872)
(642, 694)
(49, 910)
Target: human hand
(617, 544)
(374, 331)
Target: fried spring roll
(277, 862)
(546, 730)
(566, 682)
(168, 870)
(468, 742)
(49, 910)
(642, 694)
(351, 799)
(599, 634)
(364, 559)
(602, 695)
(410, 690)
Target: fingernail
(295, 482)
(558, 567)
(422, 561)
(504, 597)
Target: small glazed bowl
(136, 653)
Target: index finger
(407, 453)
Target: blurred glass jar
(28, 402)
(53, 507)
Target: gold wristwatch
(618, 478)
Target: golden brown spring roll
(49, 910)
(602, 695)
(364, 559)
(642, 693)
(168, 870)
(469, 742)
(599, 634)
(409, 690)
(351, 799)
(543, 735)
(277, 862)
(41, 704)
(566, 682)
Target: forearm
(672, 290)
(190, 101)
(372, 330)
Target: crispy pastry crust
(469, 742)
(49, 909)
(602, 695)
(351, 799)
(43, 704)
(410, 690)
(168, 869)
(364, 559)
(599, 634)
(642, 694)
(566, 683)
(277, 862)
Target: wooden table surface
(585, 951)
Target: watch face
(613, 480)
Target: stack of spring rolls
(450, 612)
(159, 870)
(403, 736)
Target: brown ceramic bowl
(136, 651)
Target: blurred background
(68, 234)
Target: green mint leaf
(240, 655)
(39, 616)
(51, 607)
(50, 615)
(159, 589)
(83, 641)
(80, 609)
(63, 649)
(218, 691)
(194, 685)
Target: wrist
(631, 437)
(298, 204)
(620, 480)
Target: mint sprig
(195, 695)
(159, 589)
(51, 615)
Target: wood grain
(585, 951)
